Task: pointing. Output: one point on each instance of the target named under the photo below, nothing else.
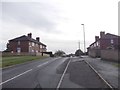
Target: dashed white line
(42, 64)
(16, 76)
(47, 62)
(58, 86)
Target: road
(62, 72)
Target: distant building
(78, 52)
(105, 42)
(26, 44)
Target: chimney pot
(38, 39)
(96, 38)
(102, 33)
(30, 35)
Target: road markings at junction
(61, 79)
(16, 76)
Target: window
(36, 51)
(32, 50)
(18, 42)
(36, 45)
(112, 41)
(29, 43)
(94, 44)
(18, 50)
(40, 46)
(97, 43)
(33, 44)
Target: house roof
(107, 36)
(26, 38)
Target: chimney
(96, 38)
(30, 35)
(102, 33)
(38, 39)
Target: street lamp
(84, 37)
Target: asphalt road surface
(62, 72)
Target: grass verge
(8, 61)
(117, 65)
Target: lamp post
(84, 37)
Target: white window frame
(33, 44)
(18, 49)
(111, 41)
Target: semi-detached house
(106, 47)
(26, 44)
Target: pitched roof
(26, 38)
(107, 36)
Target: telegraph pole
(79, 44)
(84, 37)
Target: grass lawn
(8, 61)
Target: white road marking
(24, 72)
(99, 75)
(16, 76)
(58, 86)
(42, 64)
(47, 62)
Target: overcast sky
(58, 22)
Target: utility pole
(79, 44)
(84, 37)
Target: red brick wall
(23, 45)
(110, 55)
(94, 53)
(104, 43)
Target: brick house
(105, 42)
(26, 44)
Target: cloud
(33, 14)
(58, 20)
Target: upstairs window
(40, 46)
(33, 44)
(29, 43)
(18, 42)
(112, 41)
(36, 45)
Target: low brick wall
(20, 54)
(94, 53)
(40, 54)
(111, 55)
(23, 54)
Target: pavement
(107, 69)
(61, 72)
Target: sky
(58, 22)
